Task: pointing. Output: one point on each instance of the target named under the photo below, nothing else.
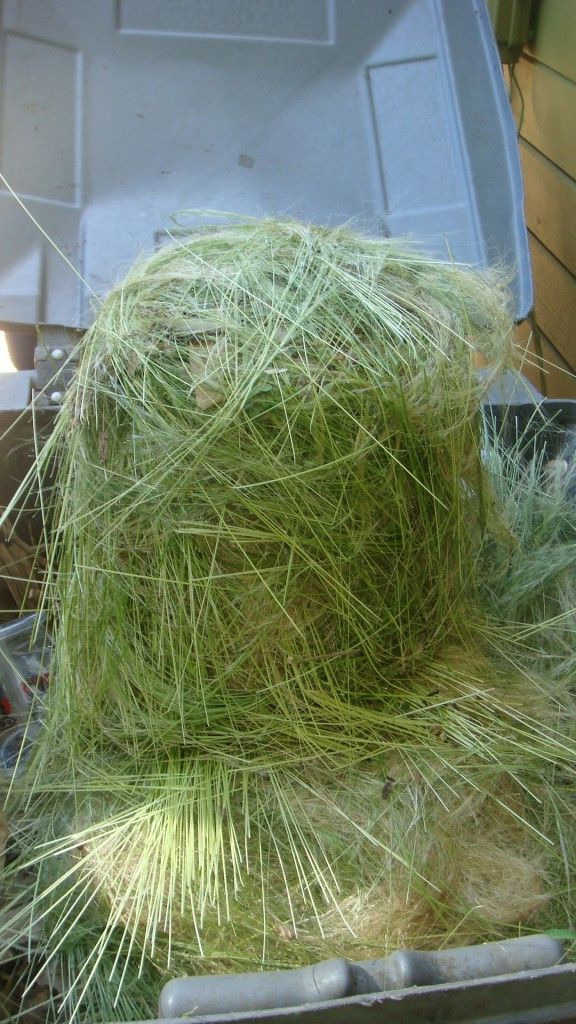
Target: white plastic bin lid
(116, 114)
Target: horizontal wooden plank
(554, 42)
(555, 304)
(549, 116)
(551, 375)
(550, 205)
(560, 379)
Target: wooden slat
(560, 379)
(555, 304)
(547, 78)
(550, 205)
(549, 119)
(554, 42)
(554, 379)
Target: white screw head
(57, 353)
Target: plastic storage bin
(116, 114)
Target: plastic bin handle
(336, 979)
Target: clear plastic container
(24, 679)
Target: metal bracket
(55, 359)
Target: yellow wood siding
(555, 36)
(555, 301)
(543, 365)
(543, 95)
(549, 119)
(550, 205)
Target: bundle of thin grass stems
(291, 716)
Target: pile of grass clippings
(292, 718)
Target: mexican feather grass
(291, 716)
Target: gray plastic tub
(117, 113)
